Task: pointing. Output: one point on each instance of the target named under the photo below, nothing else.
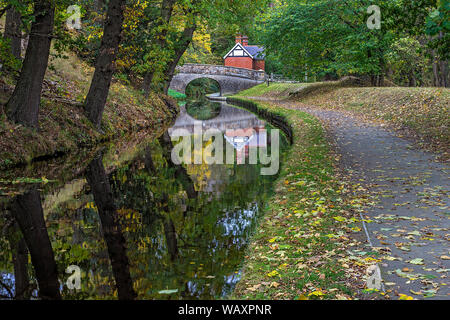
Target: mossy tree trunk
(23, 106)
(181, 48)
(105, 64)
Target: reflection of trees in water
(180, 172)
(29, 233)
(180, 240)
(201, 87)
(112, 233)
(203, 109)
(20, 261)
(27, 211)
(17, 284)
(158, 229)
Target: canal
(124, 221)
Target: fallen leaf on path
(417, 261)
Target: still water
(131, 221)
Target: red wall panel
(243, 62)
(259, 65)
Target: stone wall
(230, 79)
(222, 70)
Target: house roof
(255, 52)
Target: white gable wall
(238, 51)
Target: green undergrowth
(299, 249)
(177, 95)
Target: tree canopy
(333, 38)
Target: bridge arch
(205, 77)
(230, 79)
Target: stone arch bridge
(231, 80)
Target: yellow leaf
(316, 293)
(272, 240)
(272, 274)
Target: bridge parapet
(209, 69)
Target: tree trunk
(436, 78)
(181, 173)
(13, 31)
(105, 65)
(147, 84)
(23, 106)
(20, 261)
(27, 210)
(412, 80)
(99, 4)
(112, 233)
(148, 161)
(166, 10)
(166, 13)
(3, 10)
(21, 278)
(171, 238)
(182, 46)
(443, 66)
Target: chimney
(245, 41)
(239, 39)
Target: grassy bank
(177, 95)
(275, 90)
(420, 113)
(300, 248)
(63, 126)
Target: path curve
(411, 218)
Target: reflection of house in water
(244, 139)
(240, 128)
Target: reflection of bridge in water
(229, 119)
(240, 128)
